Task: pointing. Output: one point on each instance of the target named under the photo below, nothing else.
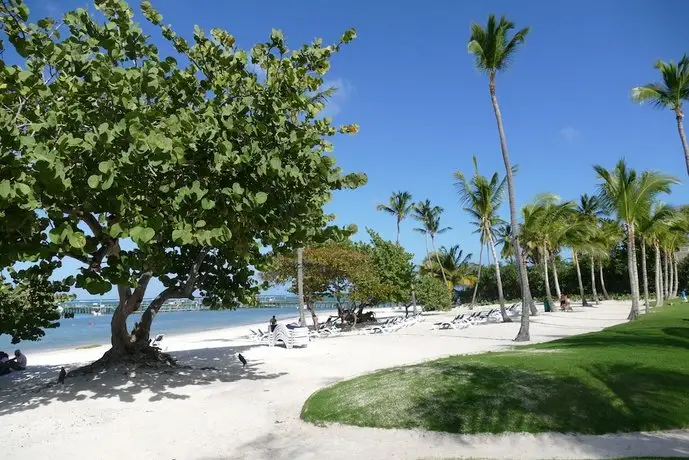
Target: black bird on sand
(61, 377)
(242, 359)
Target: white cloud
(343, 92)
(569, 133)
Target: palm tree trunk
(683, 138)
(437, 257)
(548, 295)
(659, 276)
(425, 240)
(558, 292)
(581, 283)
(676, 272)
(666, 283)
(523, 334)
(631, 262)
(498, 279)
(398, 230)
(593, 279)
(602, 280)
(478, 278)
(644, 272)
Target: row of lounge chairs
(464, 320)
(393, 324)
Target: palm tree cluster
(626, 204)
(626, 208)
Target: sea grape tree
(142, 166)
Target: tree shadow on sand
(35, 387)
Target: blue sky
(424, 110)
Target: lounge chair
(458, 322)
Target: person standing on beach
(273, 323)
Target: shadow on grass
(478, 399)
(671, 337)
(20, 391)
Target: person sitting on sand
(273, 323)
(18, 363)
(564, 303)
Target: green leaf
(77, 240)
(261, 197)
(207, 204)
(115, 230)
(105, 166)
(275, 163)
(5, 188)
(200, 223)
(141, 235)
(236, 188)
(93, 181)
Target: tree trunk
(676, 272)
(478, 277)
(602, 280)
(300, 285)
(546, 278)
(631, 262)
(680, 127)
(581, 283)
(314, 316)
(593, 280)
(558, 292)
(437, 257)
(413, 297)
(498, 279)
(666, 283)
(644, 273)
(659, 275)
(398, 230)
(523, 334)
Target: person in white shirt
(18, 363)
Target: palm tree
(455, 263)
(671, 93)
(400, 206)
(422, 211)
(609, 235)
(590, 210)
(481, 198)
(629, 195)
(429, 216)
(652, 225)
(493, 50)
(503, 238)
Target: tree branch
(92, 223)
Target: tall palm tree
(429, 217)
(629, 195)
(422, 211)
(503, 238)
(400, 206)
(671, 93)
(481, 198)
(493, 50)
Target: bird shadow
(36, 386)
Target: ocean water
(89, 330)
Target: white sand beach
(253, 412)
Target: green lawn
(630, 377)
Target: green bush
(433, 294)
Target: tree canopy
(141, 165)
